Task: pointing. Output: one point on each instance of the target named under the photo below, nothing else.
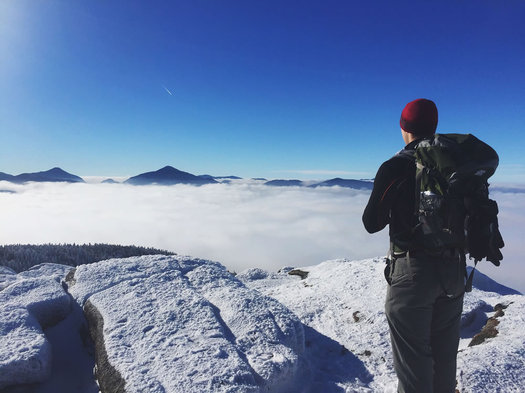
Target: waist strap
(396, 253)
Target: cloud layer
(239, 225)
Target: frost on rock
(43, 297)
(6, 270)
(254, 274)
(263, 329)
(25, 354)
(175, 324)
(7, 277)
(50, 270)
(29, 305)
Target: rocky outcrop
(25, 353)
(30, 302)
(175, 324)
(7, 277)
(297, 272)
(489, 330)
(109, 379)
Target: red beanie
(420, 117)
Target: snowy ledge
(175, 324)
(31, 301)
(180, 324)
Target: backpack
(452, 205)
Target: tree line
(20, 257)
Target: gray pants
(423, 307)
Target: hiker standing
(425, 292)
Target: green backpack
(452, 202)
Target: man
(425, 292)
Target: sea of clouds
(240, 225)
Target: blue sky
(276, 89)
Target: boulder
(176, 324)
(30, 303)
(42, 297)
(7, 277)
(25, 354)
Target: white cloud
(326, 172)
(239, 225)
(100, 179)
(512, 224)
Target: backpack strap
(410, 155)
(470, 278)
(417, 196)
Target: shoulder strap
(410, 154)
(470, 278)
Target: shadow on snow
(331, 364)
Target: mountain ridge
(169, 175)
(55, 174)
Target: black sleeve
(377, 212)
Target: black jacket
(392, 200)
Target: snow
(7, 277)
(180, 324)
(73, 358)
(498, 364)
(50, 270)
(344, 300)
(25, 353)
(43, 297)
(6, 270)
(327, 301)
(29, 303)
(266, 332)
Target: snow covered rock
(25, 354)
(175, 324)
(30, 302)
(343, 355)
(6, 270)
(42, 297)
(343, 301)
(492, 349)
(51, 270)
(7, 277)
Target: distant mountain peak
(168, 168)
(56, 171)
(55, 174)
(284, 183)
(347, 183)
(168, 175)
